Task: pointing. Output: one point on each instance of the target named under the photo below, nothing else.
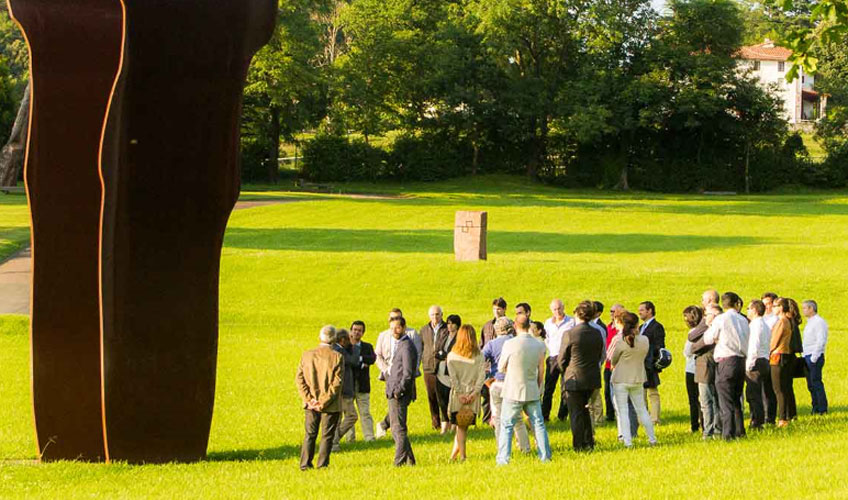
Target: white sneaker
(380, 432)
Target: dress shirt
(770, 320)
(758, 342)
(385, 349)
(645, 325)
(729, 332)
(611, 334)
(554, 332)
(815, 337)
(492, 354)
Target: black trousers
(400, 432)
(328, 422)
(443, 394)
(582, 436)
(695, 417)
(730, 382)
(433, 399)
(781, 380)
(552, 376)
(485, 407)
(760, 394)
(608, 395)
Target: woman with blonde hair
(467, 373)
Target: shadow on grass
(670, 435)
(290, 451)
(508, 194)
(441, 241)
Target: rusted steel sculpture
(131, 175)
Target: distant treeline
(605, 93)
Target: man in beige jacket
(319, 382)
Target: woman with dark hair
(692, 316)
(628, 375)
(782, 361)
(443, 387)
(796, 345)
(467, 373)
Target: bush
(328, 158)
(428, 157)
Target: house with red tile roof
(768, 63)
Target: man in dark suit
(655, 332)
(400, 389)
(579, 358)
(362, 380)
(319, 384)
(344, 347)
(433, 337)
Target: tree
(533, 42)
(285, 89)
(14, 99)
(826, 23)
(758, 118)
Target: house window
(756, 65)
(781, 66)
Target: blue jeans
(510, 414)
(815, 384)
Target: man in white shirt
(769, 318)
(384, 350)
(729, 332)
(555, 328)
(815, 341)
(522, 361)
(758, 388)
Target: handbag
(465, 417)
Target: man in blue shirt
(492, 353)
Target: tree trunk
(273, 164)
(747, 165)
(625, 152)
(13, 153)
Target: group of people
(729, 352)
(509, 376)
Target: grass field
(288, 269)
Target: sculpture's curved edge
(31, 236)
(103, 134)
(63, 429)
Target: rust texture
(125, 300)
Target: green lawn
(14, 224)
(288, 269)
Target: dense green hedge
(430, 157)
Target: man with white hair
(433, 337)
(555, 328)
(319, 383)
(815, 341)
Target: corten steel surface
(170, 179)
(75, 54)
